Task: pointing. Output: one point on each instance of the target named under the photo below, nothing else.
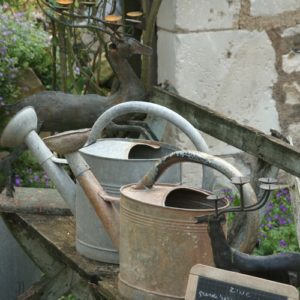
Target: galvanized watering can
(159, 238)
(97, 211)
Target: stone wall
(238, 57)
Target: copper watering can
(159, 238)
(96, 211)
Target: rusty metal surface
(68, 141)
(159, 244)
(34, 201)
(245, 236)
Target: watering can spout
(22, 129)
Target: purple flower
(282, 207)
(3, 51)
(7, 32)
(282, 243)
(282, 221)
(276, 216)
(19, 14)
(36, 178)
(17, 180)
(285, 191)
(269, 226)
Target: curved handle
(245, 237)
(186, 156)
(151, 108)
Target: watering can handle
(151, 108)
(245, 236)
(186, 156)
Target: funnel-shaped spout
(22, 129)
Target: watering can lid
(116, 148)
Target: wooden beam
(246, 138)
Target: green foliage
(277, 230)
(29, 173)
(22, 45)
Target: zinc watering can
(101, 210)
(160, 239)
(107, 160)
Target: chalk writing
(212, 289)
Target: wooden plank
(294, 189)
(232, 285)
(246, 138)
(50, 242)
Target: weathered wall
(239, 57)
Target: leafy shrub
(22, 45)
(28, 173)
(277, 230)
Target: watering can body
(160, 242)
(160, 239)
(114, 162)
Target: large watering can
(97, 238)
(159, 238)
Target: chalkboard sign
(215, 284)
(208, 288)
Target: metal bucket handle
(245, 238)
(151, 108)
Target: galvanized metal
(145, 107)
(20, 129)
(160, 240)
(158, 111)
(116, 162)
(89, 242)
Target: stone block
(195, 15)
(291, 62)
(272, 7)
(292, 93)
(293, 131)
(232, 72)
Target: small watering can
(159, 238)
(96, 212)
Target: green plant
(28, 173)
(22, 45)
(277, 231)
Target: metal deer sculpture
(59, 111)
